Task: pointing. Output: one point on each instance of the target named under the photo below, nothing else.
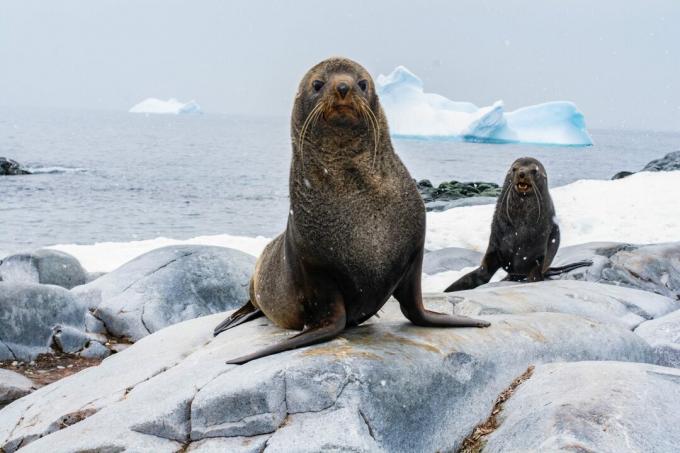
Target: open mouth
(523, 187)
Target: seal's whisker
(303, 132)
(507, 205)
(539, 200)
(376, 128)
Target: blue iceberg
(413, 113)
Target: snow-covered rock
(412, 112)
(39, 319)
(654, 267)
(13, 386)
(168, 285)
(171, 106)
(370, 389)
(592, 406)
(663, 334)
(50, 267)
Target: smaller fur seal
(524, 236)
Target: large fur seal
(524, 236)
(356, 226)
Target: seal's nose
(342, 88)
(521, 174)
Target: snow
(171, 106)
(641, 209)
(413, 113)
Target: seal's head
(339, 93)
(526, 175)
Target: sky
(618, 60)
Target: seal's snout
(342, 88)
(523, 179)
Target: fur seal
(356, 227)
(524, 236)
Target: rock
(9, 167)
(663, 334)
(13, 386)
(50, 267)
(450, 259)
(670, 162)
(37, 319)
(168, 285)
(622, 174)
(621, 306)
(592, 406)
(447, 193)
(654, 268)
(384, 386)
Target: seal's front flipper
(555, 271)
(244, 314)
(478, 277)
(410, 297)
(332, 325)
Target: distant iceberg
(171, 106)
(413, 113)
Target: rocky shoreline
(367, 390)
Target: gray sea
(117, 176)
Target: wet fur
(356, 227)
(524, 236)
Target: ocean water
(116, 176)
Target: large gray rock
(663, 334)
(450, 259)
(13, 386)
(592, 406)
(654, 268)
(37, 319)
(622, 306)
(168, 285)
(50, 267)
(384, 386)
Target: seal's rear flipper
(244, 314)
(555, 271)
(331, 327)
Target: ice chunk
(414, 113)
(171, 106)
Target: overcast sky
(619, 60)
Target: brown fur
(356, 227)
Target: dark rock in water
(168, 285)
(669, 162)
(454, 190)
(50, 267)
(40, 319)
(9, 167)
(622, 174)
(450, 259)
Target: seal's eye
(534, 171)
(363, 84)
(317, 85)
(514, 169)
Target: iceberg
(171, 106)
(413, 113)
